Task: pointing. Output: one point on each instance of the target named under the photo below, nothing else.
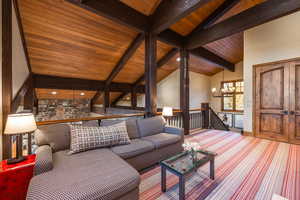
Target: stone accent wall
(55, 109)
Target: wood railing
(215, 122)
(198, 119)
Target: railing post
(133, 99)
(106, 97)
(205, 115)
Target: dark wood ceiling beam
(169, 12)
(124, 59)
(117, 12)
(27, 85)
(122, 62)
(53, 82)
(160, 63)
(213, 58)
(215, 16)
(172, 38)
(200, 52)
(257, 15)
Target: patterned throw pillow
(85, 138)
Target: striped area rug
(246, 168)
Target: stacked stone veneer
(54, 109)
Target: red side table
(14, 179)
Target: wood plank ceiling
(68, 41)
(63, 94)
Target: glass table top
(184, 162)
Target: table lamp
(167, 111)
(16, 125)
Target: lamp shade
(20, 123)
(167, 111)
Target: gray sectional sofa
(104, 173)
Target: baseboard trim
(247, 133)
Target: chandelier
(225, 88)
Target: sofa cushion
(95, 174)
(130, 124)
(87, 138)
(162, 139)
(135, 148)
(151, 126)
(90, 123)
(57, 136)
(132, 129)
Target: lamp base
(16, 160)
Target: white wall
(215, 82)
(19, 64)
(273, 41)
(168, 91)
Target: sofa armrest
(174, 130)
(43, 162)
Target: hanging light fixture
(226, 88)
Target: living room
(150, 99)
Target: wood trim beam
(169, 12)
(21, 30)
(160, 63)
(124, 59)
(150, 75)
(122, 62)
(184, 89)
(211, 57)
(27, 85)
(200, 52)
(215, 16)
(259, 14)
(172, 38)
(117, 12)
(6, 71)
(53, 82)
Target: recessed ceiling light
(82, 94)
(54, 92)
(178, 59)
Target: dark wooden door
(272, 102)
(294, 113)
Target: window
(233, 101)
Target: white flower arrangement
(191, 146)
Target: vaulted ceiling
(66, 40)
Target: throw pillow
(86, 138)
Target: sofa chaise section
(96, 174)
(105, 173)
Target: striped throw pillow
(85, 138)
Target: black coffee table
(182, 164)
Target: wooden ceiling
(68, 41)
(63, 94)
(112, 96)
(65, 40)
(147, 7)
